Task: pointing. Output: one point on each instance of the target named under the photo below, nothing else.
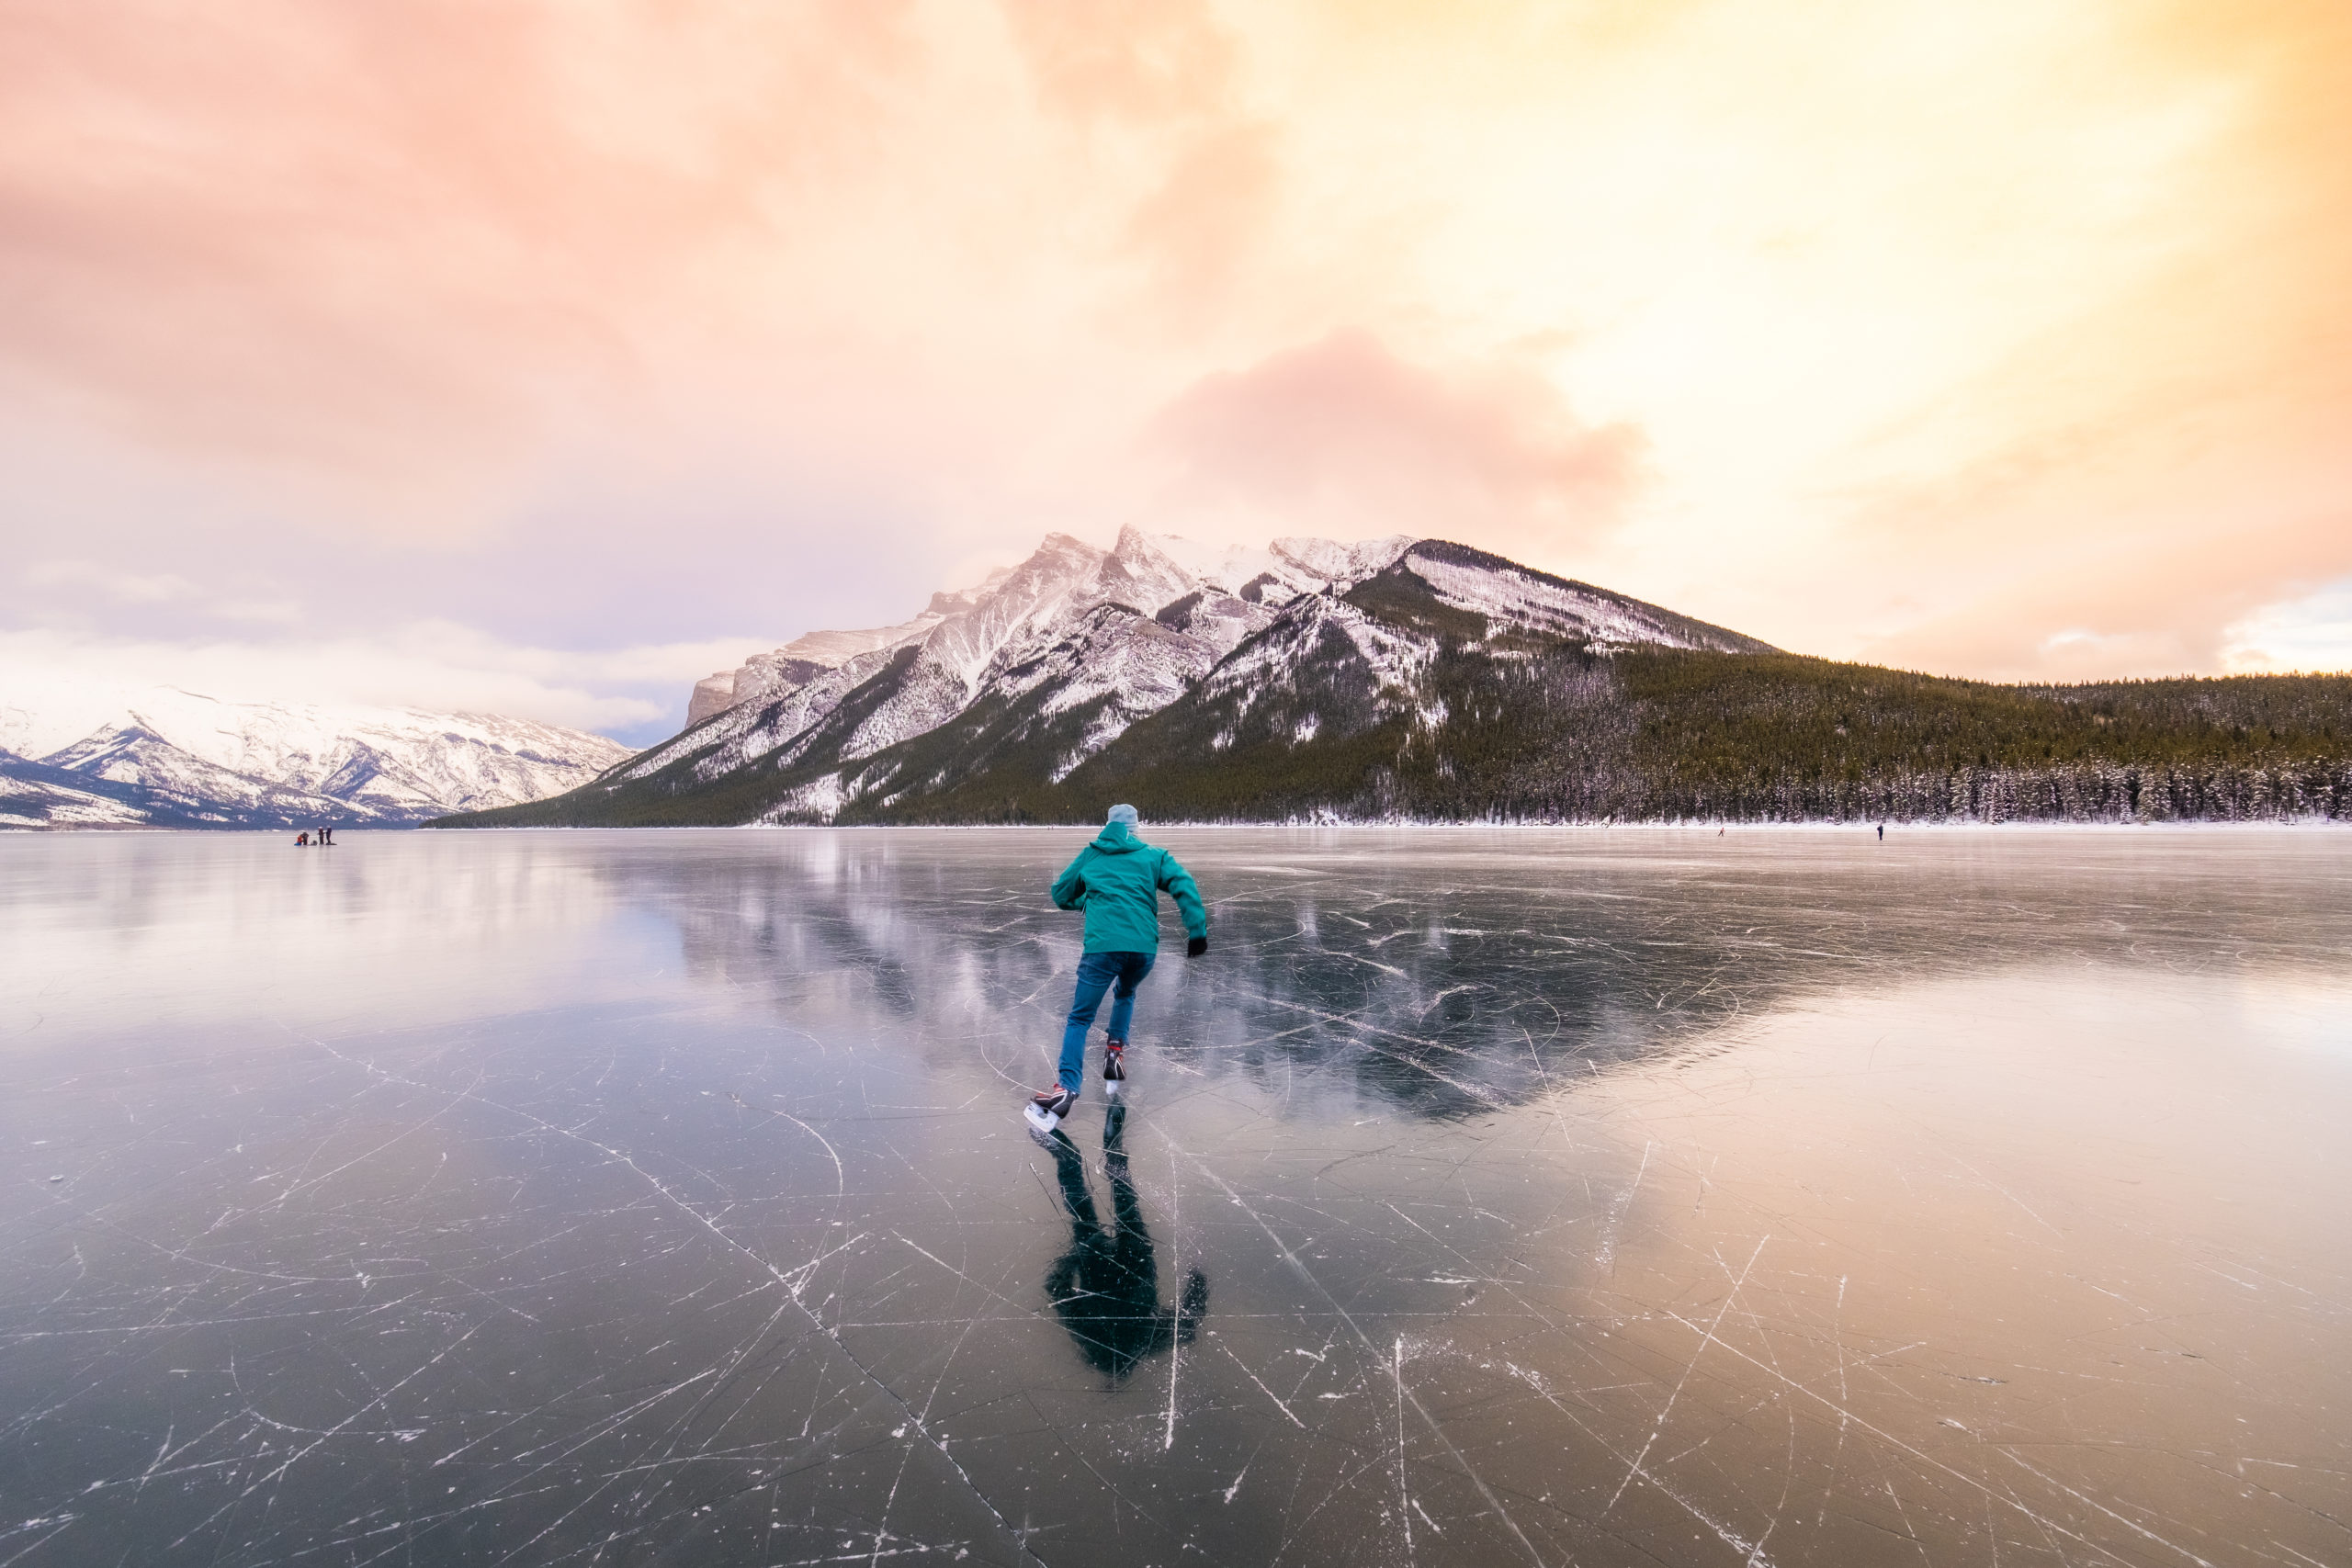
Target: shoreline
(1718, 827)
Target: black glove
(1195, 947)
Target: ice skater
(1118, 880)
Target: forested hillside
(1651, 734)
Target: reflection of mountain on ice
(1341, 982)
(179, 759)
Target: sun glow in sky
(542, 357)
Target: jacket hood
(1114, 839)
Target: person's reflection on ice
(1105, 1288)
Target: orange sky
(541, 356)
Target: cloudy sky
(541, 358)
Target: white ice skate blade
(1110, 1088)
(1043, 1120)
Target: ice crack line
(1961, 1477)
(1176, 1339)
(1372, 1349)
(1753, 1551)
(779, 1276)
(1729, 1296)
(1475, 1091)
(1404, 1493)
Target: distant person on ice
(1118, 880)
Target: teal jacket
(1118, 880)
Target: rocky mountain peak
(1018, 611)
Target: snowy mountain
(766, 675)
(177, 759)
(1122, 633)
(1034, 677)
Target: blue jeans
(1096, 971)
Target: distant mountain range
(1408, 679)
(179, 760)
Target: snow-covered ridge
(1520, 597)
(1018, 611)
(766, 676)
(1026, 625)
(179, 758)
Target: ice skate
(1047, 1107)
(1114, 1067)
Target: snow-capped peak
(190, 758)
(990, 639)
(1226, 567)
(961, 632)
(1343, 565)
(303, 744)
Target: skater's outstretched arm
(1177, 883)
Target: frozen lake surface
(1484, 1197)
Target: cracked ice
(1590, 1197)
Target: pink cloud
(1130, 60)
(2004, 349)
(392, 240)
(1199, 231)
(1346, 433)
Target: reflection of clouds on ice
(1587, 1197)
(201, 930)
(2054, 1159)
(2294, 1012)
